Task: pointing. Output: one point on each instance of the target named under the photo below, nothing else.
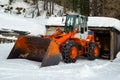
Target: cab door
(81, 23)
(84, 28)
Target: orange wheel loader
(75, 40)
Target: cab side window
(86, 28)
(76, 22)
(82, 24)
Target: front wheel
(70, 52)
(94, 51)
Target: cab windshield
(69, 23)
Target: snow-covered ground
(21, 69)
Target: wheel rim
(96, 52)
(73, 52)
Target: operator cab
(77, 21)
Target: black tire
(93, 55)
(66, 52)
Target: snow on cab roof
(92, 22)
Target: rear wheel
(94, 51)
(70, 52)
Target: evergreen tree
(10, 1)
(84, 7)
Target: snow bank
(4, 2)
(20, 3)
(5, 50)
(8, 21)
(117, 59)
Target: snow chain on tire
(66, 52)
(91, 55)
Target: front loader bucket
(36, 48)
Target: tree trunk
(52, 6)
(73, 5)
(38, 11)
(10, 1)
(84, 7)
(44, 6)
(64, 2)
(47, 5)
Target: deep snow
(21, 69)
